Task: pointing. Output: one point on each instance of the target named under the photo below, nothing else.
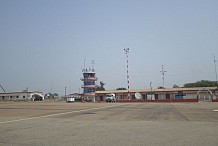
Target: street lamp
(27, 93)
(65, 91)
(214, 60)
(151, 86)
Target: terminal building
(167, 94)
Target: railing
(89, 78)
(166, 100)
(89, 94)
(89, 86)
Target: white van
(110, 97)
(70, 99)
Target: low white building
(199, 93)
(23, 95)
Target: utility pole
(163, 73)
(26, 92)
(214, 60)
(65, 91)
(151, 86)
(126, 50)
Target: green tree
(121, 88)
(100, 87)
(176, 86)
(202, 83)
(160, 87)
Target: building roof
(156, 90)
(20, 92)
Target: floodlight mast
(163, 73)
(214, 60)
(126, 50)
(151, 86)
(65, 91)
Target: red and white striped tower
(127, 70)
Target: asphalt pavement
(138, 124)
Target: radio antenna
(2, 88)
(163, 73)
(84, 63)
(214, 60)
(93, 63)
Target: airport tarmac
(150, 124)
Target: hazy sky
(43, 43)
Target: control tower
(89, 85)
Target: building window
(11, 96)
(180, 92)
(133, 97)
(23, 96)
(17, 96)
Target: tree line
(201, 83)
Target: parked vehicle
(36, 97)
(110, 97)
(70, 99)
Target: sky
(44, 43)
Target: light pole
(65, 91)
(151, 86)
(214, 60)
(151, 90)
(126, 50)
(163, 73)
(27, 93)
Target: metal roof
(20, 92)
(156, 90)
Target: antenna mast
(214, 60)
(2, 88)
(163, 73)
(93, 63)
(84, 63)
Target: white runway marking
(52, 115)
(215, 110)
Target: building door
(101, 98)
(144, 96)
(156, 96)
(133, 97)
(167, 96)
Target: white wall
(19, 96)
